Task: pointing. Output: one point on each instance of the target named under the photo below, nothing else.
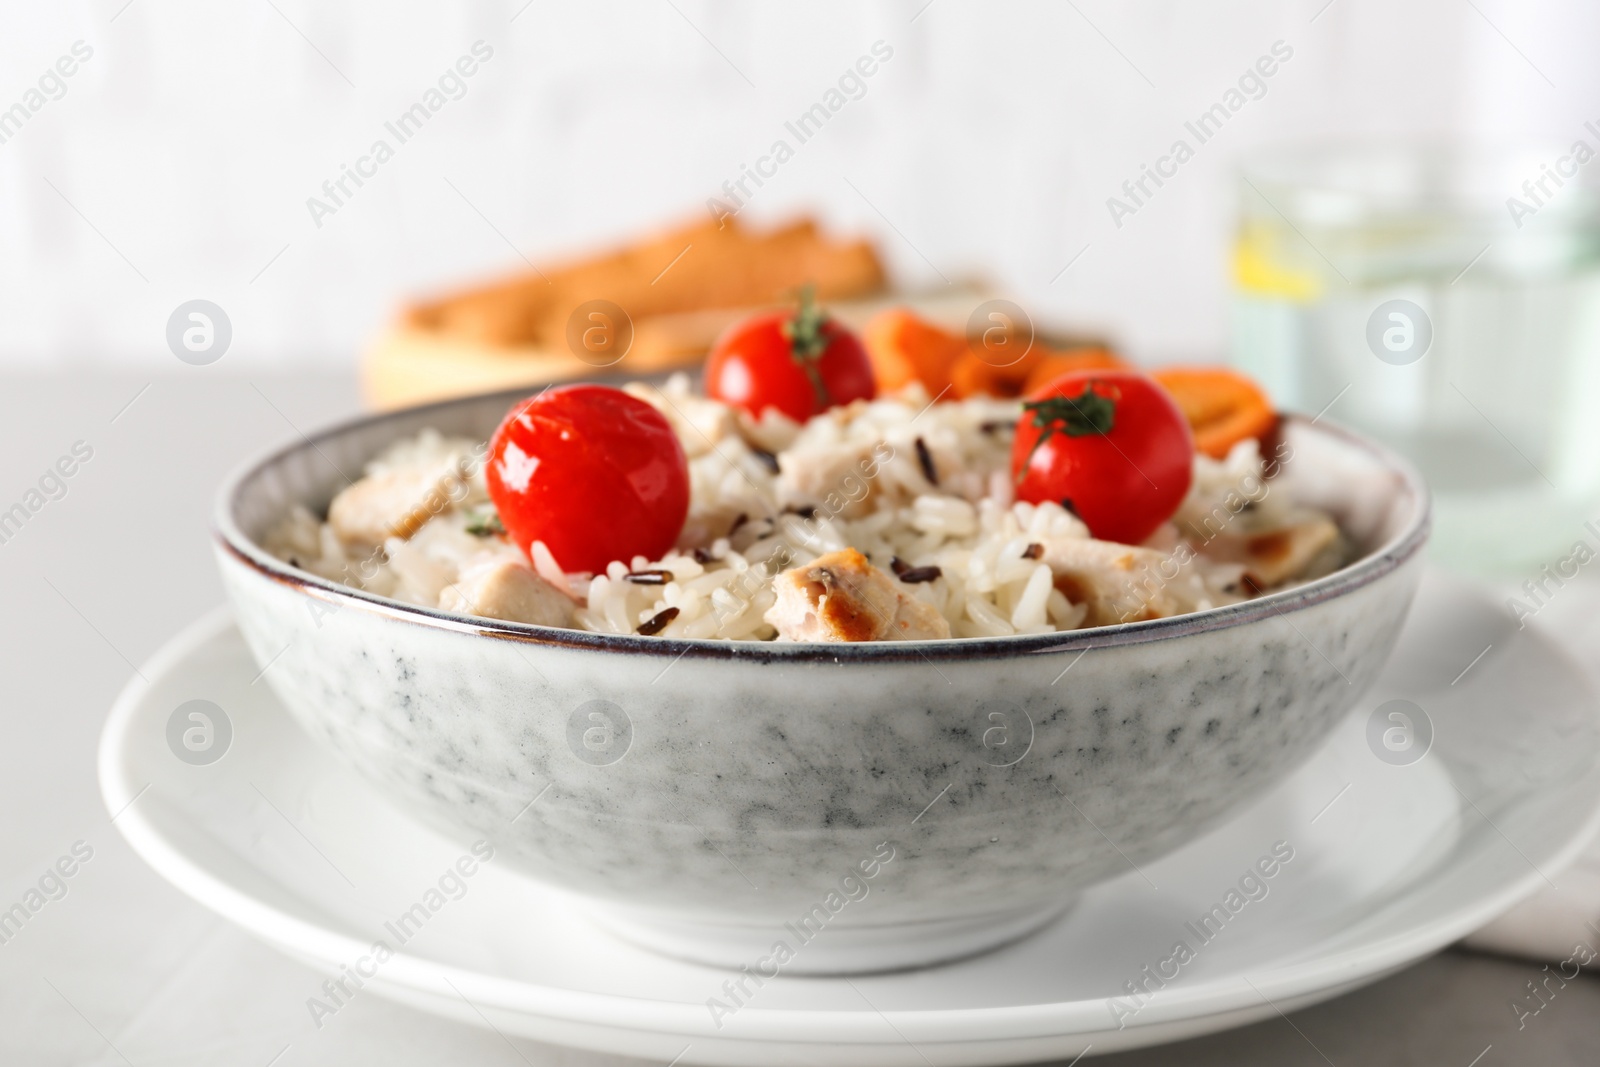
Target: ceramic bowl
(864, 807)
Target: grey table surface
(127, 970)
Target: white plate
(1390, 864)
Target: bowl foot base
(835, 948)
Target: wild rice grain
(914, 575)
(657, 622)
(924, 457)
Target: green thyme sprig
(808, 341)
(485, 523)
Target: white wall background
(178, 162)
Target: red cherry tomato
(594, 473)
(801, 362)
(1110, 445)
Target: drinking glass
(1445, 300)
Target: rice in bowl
(922, 491)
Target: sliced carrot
(974, 375)
(1055, 364)
(971, 376)
(1223, 406)
(905, 348)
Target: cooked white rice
(852, 477)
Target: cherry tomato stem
(800, 362)
(1109, 446)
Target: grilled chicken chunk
(1271, 557)
(836, 479)
(395, 503)
(1118, 583)
(507, 590)
(842, 597)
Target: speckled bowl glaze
(864, 806)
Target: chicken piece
(1118, 583)
(395, 502)
(842, 597)
(701, 424)
(503, 589)
(771, 433)
(842, 479)
(1277, 555)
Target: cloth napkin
(1561, 922)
